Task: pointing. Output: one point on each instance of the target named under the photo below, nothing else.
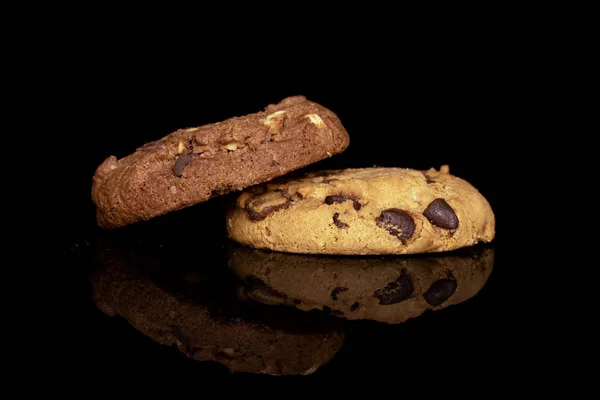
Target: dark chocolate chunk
(338, 198)
(354, 306)
(326, 309)
(427, 178)
(182, 162)
(256, 213)
(397, 222)
(254, 284)
(338, 223)
(440, 291)
(397, 291)
(439, 213)
(273, 163)
(336, 291)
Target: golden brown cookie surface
(363, 211)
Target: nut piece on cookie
(316, 119)
(275, 122)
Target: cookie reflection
(191, 309)
(389, 289)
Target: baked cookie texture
(192, 165)
(363, 211)
(209, 327)
(390, 290)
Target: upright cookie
(363, 211)
(192, 165)
(390, 289)
(189, 310)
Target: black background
(452, 108)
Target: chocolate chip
(339, 223)
(397, 291)
(178, 333)
(440, 291)
(354, 306)
(182, 162)
(336, 291)
(330, 180)
(439, 213)
(273, 163)
(326, 309)
(254, 284)
(259, 208)
(338, 198)
(397, 222)
(427, 178)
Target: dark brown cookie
(193, 311)
(390, 290)
(192, 165)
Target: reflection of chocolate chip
(354, 306)
(338, 223)
(183, 160)
(328, 310)
(397, 291)
(397, 222)
(338, 198)
(439, 213)
(257, 211)
(254, 284)
(336, 291)
(440, 291)
(178, 333)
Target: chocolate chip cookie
(363, 211)
(192, 165)
(191, 310)
(389, 289)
